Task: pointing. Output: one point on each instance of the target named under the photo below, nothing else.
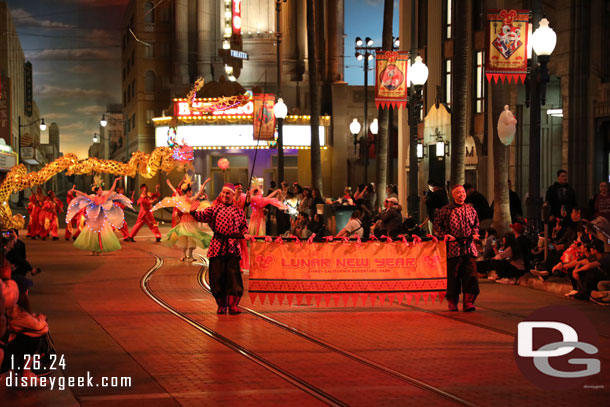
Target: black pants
(462, 276)
(505, 269)
(225, 276)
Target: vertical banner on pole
(507, 45)
(391, 79)
(264, 120)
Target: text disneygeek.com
(63, 382)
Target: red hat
(229, 187)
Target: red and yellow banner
(391, 79)
(264, 119)
(507, 45)
(341, 271)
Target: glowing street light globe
(43, 126)
(280, 110)
(103, 122)
(374, 126)
(544, 39)
(418, 72)
(354, 127)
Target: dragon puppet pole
(258, 139)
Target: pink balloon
(506, 126)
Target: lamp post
(364, 50)
(43, 127)
(354, 128)
(418, 75)
(544, 40)
(280, 110)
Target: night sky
(74, 47)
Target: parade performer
(457, 223)
(228, 222)
(124, 229)
(101, 215)
(73, 228)
(36, 201)
(48, 216)
(186, 234)
(257, 226)
(177, 213)
(145, 215)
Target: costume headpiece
(97, 182)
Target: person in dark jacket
(435, 199)
(390, 220)
(479, 202)
(561, 195)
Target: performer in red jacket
(48, 216)
(74, 226)
(36, 201)
(124, 229)
(228, 222)
(145, 216)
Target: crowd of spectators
(22, 332)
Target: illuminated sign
(236, 17)
(182, 109)
(234, 135)
(239, 54)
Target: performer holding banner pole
(228, 222)
(458, 224)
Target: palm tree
(502, 218)
(383, 114)
(314, 97)
(460, 116)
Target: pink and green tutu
(186, 235)
(104, 241)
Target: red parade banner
(340, 271)
(507, 37)
(264, 119)
(391, 78)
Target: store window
(447, 81)
(149, 12)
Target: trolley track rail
(338, 350)
(308, 388)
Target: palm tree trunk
(383, 114)
(460, 117)
(501, 219)
(314, 97)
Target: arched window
(150, 81)
(149, 13)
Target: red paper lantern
(223, 164)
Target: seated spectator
(509, 263)
(354, 226)
(590, 274)
(299, 227)
(318, 226)
(489, 244)
(582, 255)
(317, 199)
(410, 228)
(347, 198)
(390, 220)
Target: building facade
(574, 119)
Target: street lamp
(418, 75)
(374, 127)
(544, 40)
(365, 50)
(96, 138)
(103, 122)
(280, 110)
(354, 128)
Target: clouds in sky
(24, 18)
